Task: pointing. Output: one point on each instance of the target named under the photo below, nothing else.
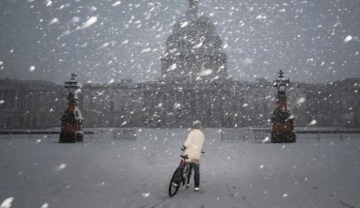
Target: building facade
(30, 104)
(39, 104)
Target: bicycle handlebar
(185, 157)
(184, 148)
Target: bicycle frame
(180, 176)
(185, 168)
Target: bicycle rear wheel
(175, 182)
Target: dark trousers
(196, 167)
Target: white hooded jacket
(194, 144)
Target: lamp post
(71, 121)
(282, 120)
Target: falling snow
(206, 72)
(48, 3)
(45, 205)
(348, 38)
(116, 4)
(61, 167)
(32, 68)
(172, 67)
(53, 21)
(312, 123)
(7, 203)
(301, 100)
(89, 22)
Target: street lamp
(282, 121)
(71, 121)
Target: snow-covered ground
(101, 173)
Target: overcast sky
(109, 40)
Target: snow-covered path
(39, 172)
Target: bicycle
(180, 176)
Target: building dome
(194, 49)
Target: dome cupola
(194, 49)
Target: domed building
(194, 86)
(194, 49)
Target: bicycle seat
(184, 157)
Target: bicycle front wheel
(175, 182)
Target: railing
(29, 133)
(115, 134)
(340, 133)
(264, 134)
(233, 134)
(125, 134)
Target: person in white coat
(193, 148)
